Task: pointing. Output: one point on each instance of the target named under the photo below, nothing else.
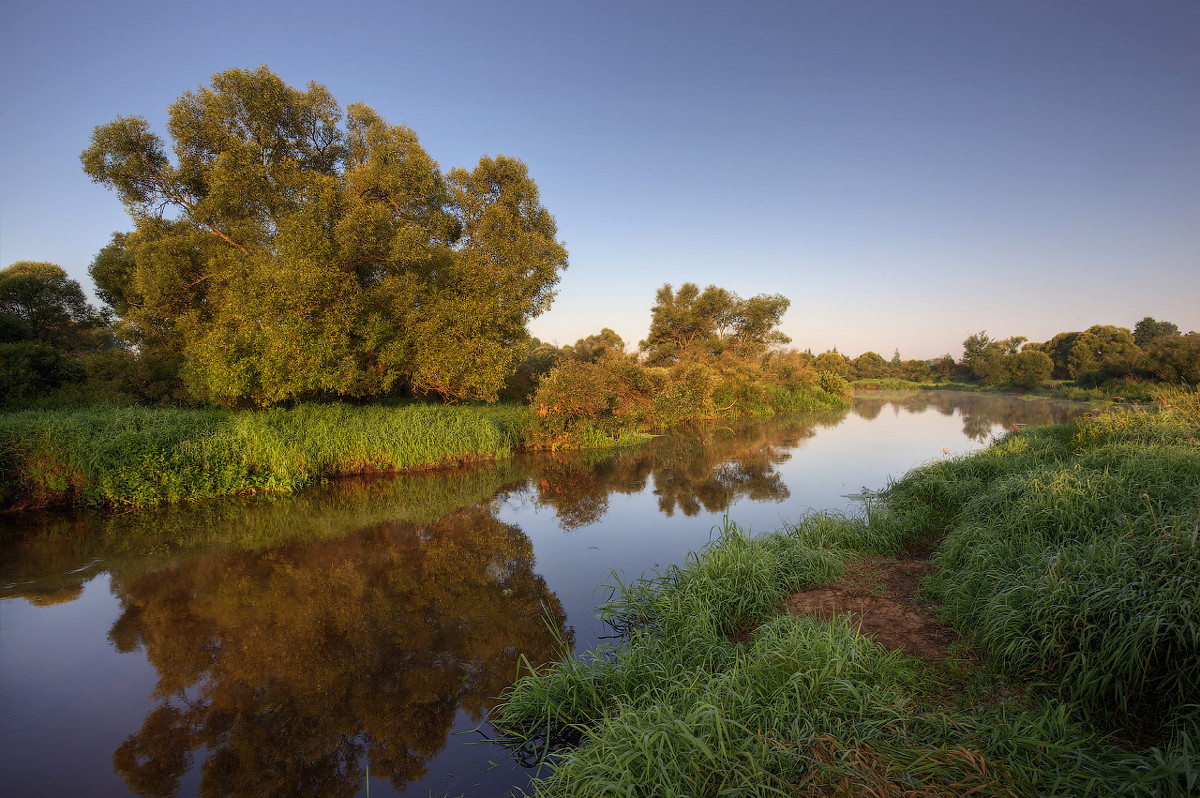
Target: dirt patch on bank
(880, 596)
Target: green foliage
(1173, 358)
(868, 365)
(715, 320)
(944, 367)
(119, 376)
(1101, 345)
(142, 456)
(304, 258)
(616, 395)
(46, 326)
(834, 385)
(29, 370)
(832, 363)
(913, 371)
(1150, 328)
(887, 384)
(1029, 368)
(38, 302)
(985, 358)
(596, 347)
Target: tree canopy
(39, 302)
(1150, 328)
(46, 326)
(289, 250)
(713, 320)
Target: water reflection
(286, 665)
(980, 412)
(53, 554)
(702, 469)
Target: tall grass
(142, 456)
(1073, 554)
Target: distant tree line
(1102, 354)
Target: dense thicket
(290, 250)
(710, 354)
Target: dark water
(289, 645)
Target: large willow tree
(289, 250)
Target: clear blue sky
(907, 173)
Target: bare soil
(881, 596)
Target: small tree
(869, 365)
(985, 358)
(832, 363)
(913, 370)
(1028, 368)
(691, 322)
(606, 343)
(46, 327)
(39, 302)
(1149, 328)
(944, 367)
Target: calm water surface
(352, 636)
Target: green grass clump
(1073, 555)
(888, 384)
(143, 456)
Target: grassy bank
(1130, 390)
(136, 456)
(1069, 560)
(140, 456)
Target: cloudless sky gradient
(907, 173)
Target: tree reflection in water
(980, 412)
(287, 664)
(704, 468)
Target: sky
(906, 173)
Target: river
(347, 640)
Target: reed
(139, 456)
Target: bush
(618, 396)
(29, 370)
(1173, 358)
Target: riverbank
(1067, 558)
(1131, 390)
(134, 456)
(108, 456)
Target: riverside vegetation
(1067, 557)
(122, 456)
